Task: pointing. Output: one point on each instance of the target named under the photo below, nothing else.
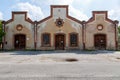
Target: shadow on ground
(58, 52)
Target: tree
(2, 33)
(119, 29)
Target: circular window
(99, 27)
(19, 27)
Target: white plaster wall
(28, 30)
(108, 29)
(69, 26)
(59, 12)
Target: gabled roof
(99, 12)
(59, 6)
(19, 12)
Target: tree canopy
(119, 29)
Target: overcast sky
(80, 9)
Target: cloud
(1, 16)
(77, 8)
(62, 2)
(77, 13)
(114, 14)
(53, 2)
(34, 12)
(72, 10)
(81, 2)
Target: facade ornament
(19, 27)
(59, 22)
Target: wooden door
(59, 42)
(20, 41)
(100, 41)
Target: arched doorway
(59, 41)
(100, 41)
(19, 41)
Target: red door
(100, 41)
(19, 41)
(59, 42)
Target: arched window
(73, 39)
(46, 39)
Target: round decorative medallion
(99, 27)
(19, 27)
(59, 22)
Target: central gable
(59, 11)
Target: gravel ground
(32, 57)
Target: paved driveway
(58, 56)
(52, 65)
(61, 71)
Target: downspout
(116, 34)
(3, 26)
(35, 34)
(83, 34)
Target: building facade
(59, 31)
